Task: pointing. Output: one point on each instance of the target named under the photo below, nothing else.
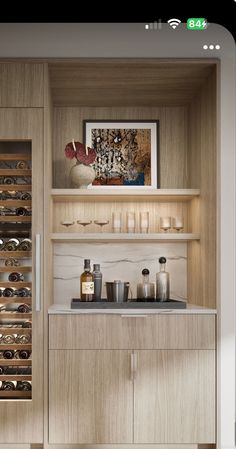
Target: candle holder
(130, 222)
(178, 223)
(165, 224)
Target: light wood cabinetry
(154, 376)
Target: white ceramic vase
(81, 175)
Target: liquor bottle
(23, 292)
(97, 278)
(8, 292)
(23, 308)
(15, 277)
(146, 289)
(23, 385)
(8, 385)
(162, 282)
(86, 283)
(8, 354)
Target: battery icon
(196, 23)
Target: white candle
(130, 217)
(144, 221)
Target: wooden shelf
(15, 157)
(15, 362)
(16, 187)
(16, 300)
(123, 237)
(117, 194)
(15, 203)
(16, 377)
(15, 347)
(15, 172)
(15, 330)
(15, 315)
(15, 254)
(15, 394)
(19, 284)
(24, 269)
(15, 218)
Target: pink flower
(80, 153)
(69, 151)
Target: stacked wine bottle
(15, 276)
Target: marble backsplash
(123, 261)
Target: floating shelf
(15, 218)
(15, 255)
(15, 362)
(15, 172)
(117, 194)
(15, 330)
(16, 377)
(15, 203)
(111, 237)
(16, 300)
(14, 315)
(15, 394)
(15, 157)
(6, 284)
(16, 187)
(18, 269)
(15, 346)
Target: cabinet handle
(133, 365)
(133, 315)
(37, 272)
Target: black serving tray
(103, 304)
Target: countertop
(60, 309)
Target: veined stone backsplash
(123, 261)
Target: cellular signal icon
(174, 23)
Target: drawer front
(104, 331)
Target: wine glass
(178, 223)
(165, 223)
(67, 223)
(84, 223)
(101, 223)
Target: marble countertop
(58, 309)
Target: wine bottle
(9, 180)
(86, 283)
(8, 292)
(23, 339)
(8, 385)
(10, 262)
(22, 354)
(8, 354)
(22, 165)
(22, 211)
(15, 277)
(3, 370)
(23, 308)
(24, 196)
(25, 245)
(8, 339)
(27, 324)
(11, 245)
(23, 292)
(23, 385)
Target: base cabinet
(141, 397)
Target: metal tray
(103, 304)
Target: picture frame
(127, 153)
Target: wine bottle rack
(15, 179)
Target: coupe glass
(101, 223)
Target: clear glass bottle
(162, 282)
(97, 278)
(146, 289)
(86, 283)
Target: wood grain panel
(117, 446)
(21, 84)
(90, 397)
(173, 139)
(126, 82)
(127, 332)
(174, 397)
(202, 169)
(22, 420)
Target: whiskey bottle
(86, 283)
(15, 277)
(97, 278)
(162, 282)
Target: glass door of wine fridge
(15, 270)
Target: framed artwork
(127, 152)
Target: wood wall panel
(21, 84)
(173, 139)
(202, 166)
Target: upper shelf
(165, 195)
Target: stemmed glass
(101, 223)
(67, 223)
(178, 223)
(165, 223)
(84, 223)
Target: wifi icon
(174, 23)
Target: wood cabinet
(143, 396)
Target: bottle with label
(86, 283)
(97, 278)
(162, 282)
(146, 289)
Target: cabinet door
(90, 397)
(174, 397)
(21, 412)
